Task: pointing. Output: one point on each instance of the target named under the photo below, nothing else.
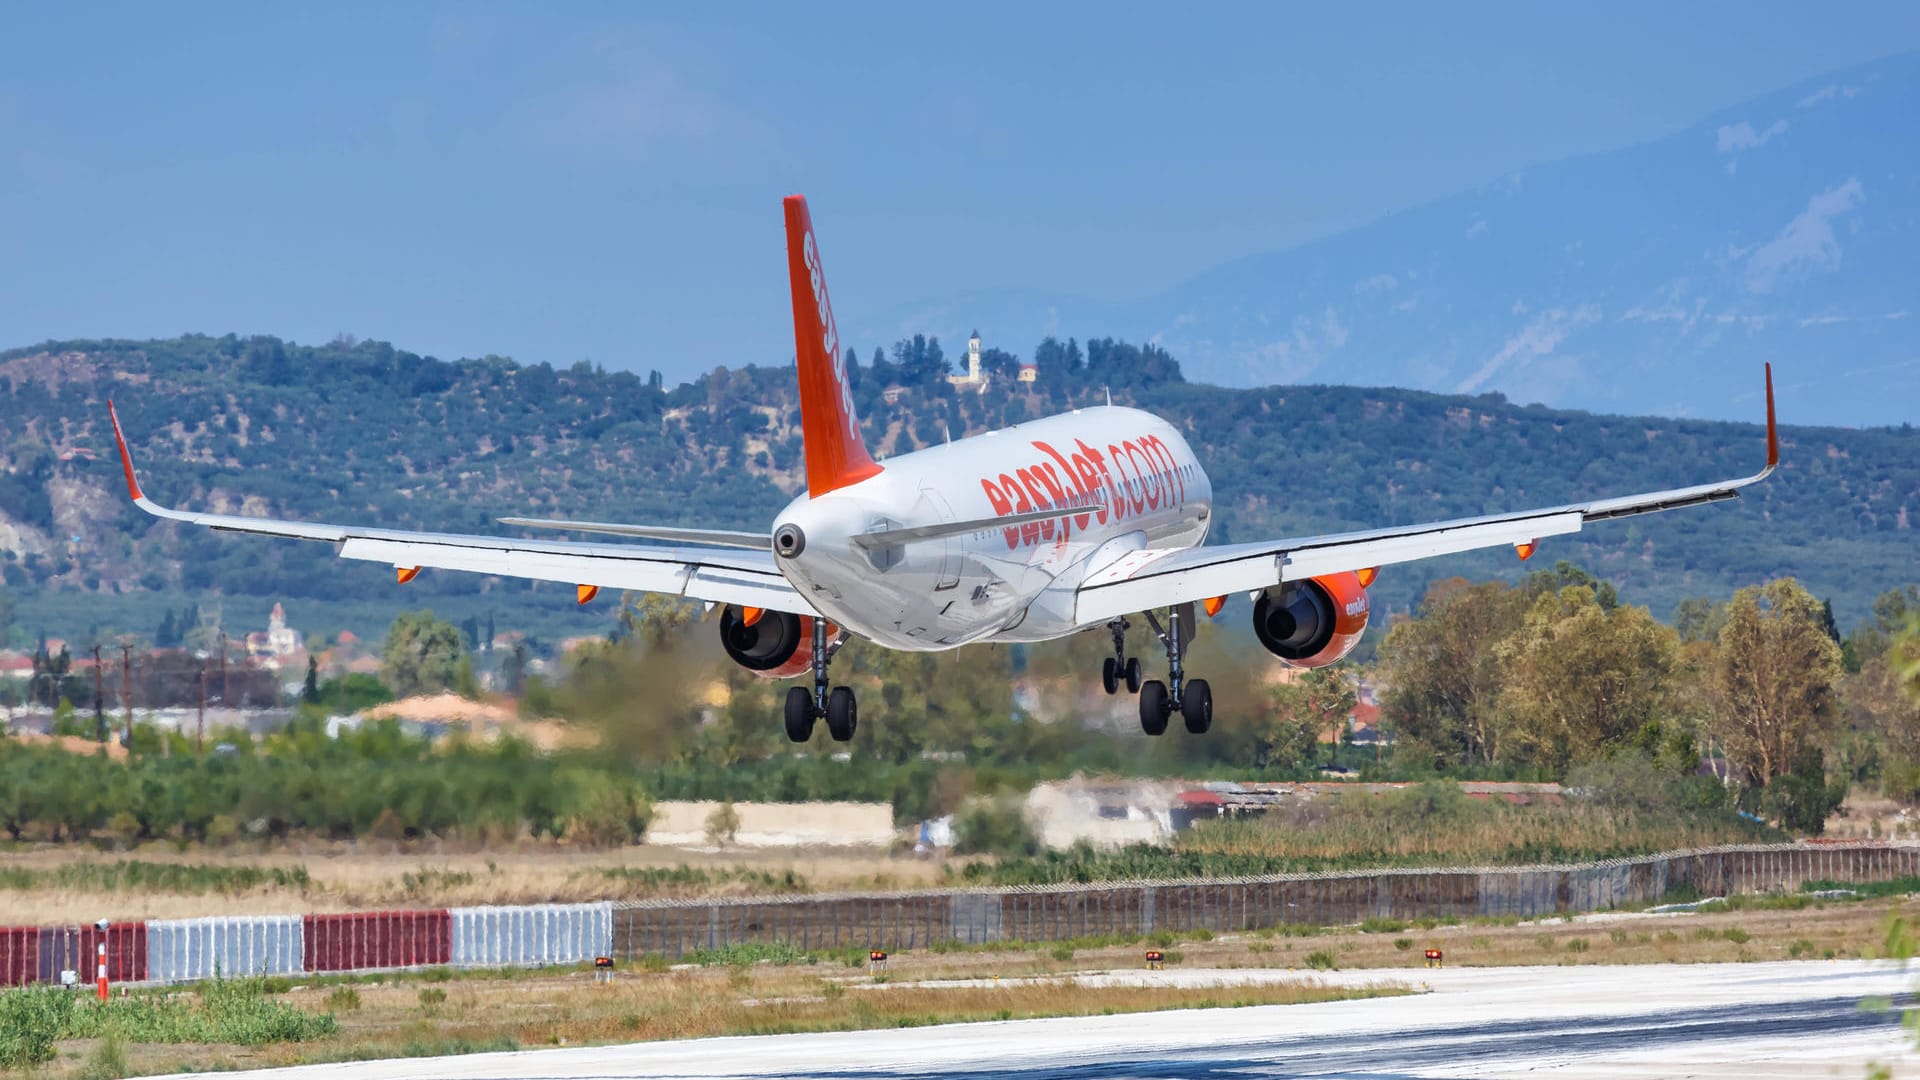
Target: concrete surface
(1793, 1019)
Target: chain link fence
(673, 929)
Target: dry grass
(490, 1011)
(344, 878)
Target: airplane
(1075, 522)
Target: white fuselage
(1138, 479)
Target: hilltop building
(974, 379)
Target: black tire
(799, 713)
(1133, 674)
(1154, 709)
(1196, 707)
(1110, 675)
(843, 715)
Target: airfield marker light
(586, 593)
(1434, 956)
(1213, 604)
(1525, 551)
(750, 616)
(603, 969)
(100, 972)
(876, 961)
(1367, 575)
(1156, 960)
(406, 573)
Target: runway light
(876, 961)
(1434, 956)
(1525, 551)
(603, 969)
(586, 593)
(1213, 604)
(406, 573)
(1367, 575)
(1156, 960)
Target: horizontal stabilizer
(712, 537)
(889, 537)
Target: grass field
(52, 884)
(442, 1012)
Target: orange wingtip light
(1367, 575)
(585, 593)
(750, 616)
(1525, 551)
(406, 573)
(1213, 604)
(126, 459)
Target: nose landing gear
(838, 707)
(1193, 699)
(1120, 667)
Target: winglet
(1773, 430)
(126, 459)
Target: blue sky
(602, 181)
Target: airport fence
(184, 950)
(910, 920)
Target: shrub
(1403, 944)
(30, 1021)
(343, 999)
(1322, 960)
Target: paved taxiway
(1785, 1019)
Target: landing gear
(1193, 700)
(838, 708)
(799, 714)
(843, 715)
(1120, 667)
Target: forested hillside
(364, 432)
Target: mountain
(363, 432)
(1648, 280)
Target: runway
(1795, 1019)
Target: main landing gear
(1192, 698)
(838, 707)
(1120, 667)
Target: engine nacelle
(1312, 623)
(777, 645)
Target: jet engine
(1312, 623)
(771, 644)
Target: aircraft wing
(719, 575)
(1153, 578)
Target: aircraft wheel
(1110, 675)
(1196, 708)
(1154, 708)
(799, 713)
(842, 714)
(1133, 674)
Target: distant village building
(279, 641)
(1029, 372)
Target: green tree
(1443, 671)
(1773, 680)
(422, 654)
(1582, 680)
(310, 689)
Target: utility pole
(126, 686)
(99, 699)
(200, 733)
(225, 686)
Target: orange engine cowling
(776, 645)
(1312, 623)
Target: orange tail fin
(836, 453)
